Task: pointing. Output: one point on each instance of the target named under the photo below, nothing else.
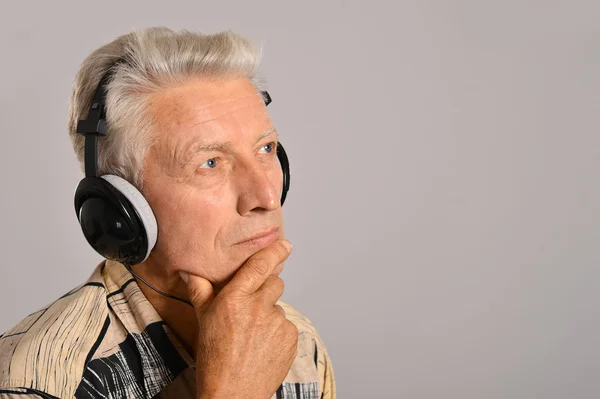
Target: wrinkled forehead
(206, 102)
(202, 114)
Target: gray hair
(154, 58)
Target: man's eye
(268, 147)
(210, 164)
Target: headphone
(115, 218)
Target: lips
(264, 237)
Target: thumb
(200, 290)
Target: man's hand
(245, 346)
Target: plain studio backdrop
(444, 193)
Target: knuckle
(281, 251)
(276, 282)
(193, 293)
(259, 265)
(270, 292)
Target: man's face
(212, 178)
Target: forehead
(208, 109)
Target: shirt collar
(132, 307)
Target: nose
(258, 190)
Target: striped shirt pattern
(103, 339)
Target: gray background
(444, 200)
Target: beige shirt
(104, 339)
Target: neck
(179, 316)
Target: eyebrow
(195, 149)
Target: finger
(200, 290)
(271, 290)
(255, 271)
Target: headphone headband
(95, 123)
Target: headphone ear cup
(285, 167)
(115, 218)
(141, 206)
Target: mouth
(263, 238)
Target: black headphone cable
(157, 290)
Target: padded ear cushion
(140, 204)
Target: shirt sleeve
(322, 359)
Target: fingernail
(288, 245)
(184, 276)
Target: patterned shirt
(104, 339)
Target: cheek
(276, 176)
(193, 232)
(188, 221)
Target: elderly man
(184, 184)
